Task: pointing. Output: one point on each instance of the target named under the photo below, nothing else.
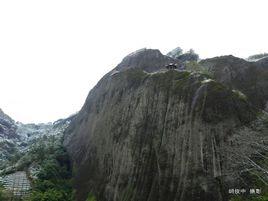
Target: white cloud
(53, 52)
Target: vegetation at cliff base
(91, 197)
(53, 181)
(4, 195)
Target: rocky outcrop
(248, 77)
(157, 136)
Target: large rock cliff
(163, 135)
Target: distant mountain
(183, 57)
(8, 137)
(257, 57)
(175, 53)
(16, 138)
(7, 126)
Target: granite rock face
(157, 136)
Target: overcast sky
(52, 52)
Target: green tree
(4, 195)
(53, 181)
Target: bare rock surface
(157, 136)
